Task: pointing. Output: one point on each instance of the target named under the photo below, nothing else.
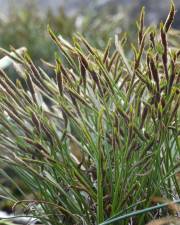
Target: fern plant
(100, 138)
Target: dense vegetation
(99, 138)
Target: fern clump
(100, 138)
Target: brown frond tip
(154, 73)
(170, 18)
(141, 25)
(165, 53)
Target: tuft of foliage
(100, 138)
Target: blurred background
(24, 22)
